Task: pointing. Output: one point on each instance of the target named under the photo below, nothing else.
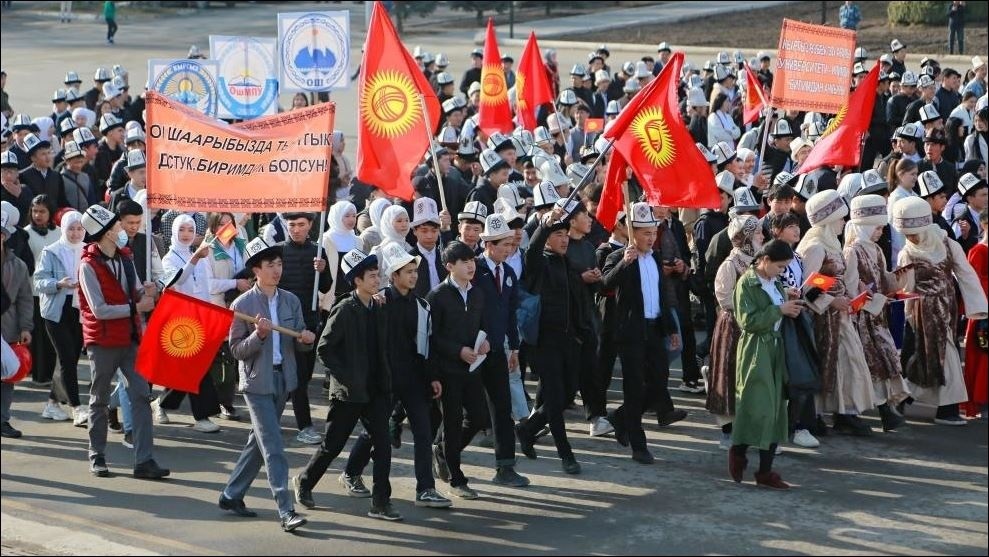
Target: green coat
(760, 374)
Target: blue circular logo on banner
(189, 83)
(315, 52)
(248, 86)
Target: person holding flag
(110, 305)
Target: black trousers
(416, 405)
(555, 354)
(494, 378)
(592, 389)
(66, 335)
(688, 356)
(111, 29)
(305, 362)
(461, 392)
(710, 316)
(341, 419)
(877, 144)
(645, 372)
(605, 369)
(225, 376)
(203, 405)
(42, 351)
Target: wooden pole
(432, 151)
(279, 328)
(590, 171)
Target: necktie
(498, 277)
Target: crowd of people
(822, 295)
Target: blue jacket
(48, 271)
(498, 319)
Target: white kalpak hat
(510, 193)
(423, 211)
(869, 210)
(496, 228)
(473, 210)
(394, 257)
(912, 215)
(642, 216)
(825, 207)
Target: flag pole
(319, 242)
(279, 328)
(432, 151)
(587, 177)
(765, 139)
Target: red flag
(183, 336)
(531, 84)
(858, 302)
(494, 114)
(593, 125)
(392, 130)
(659, 148)
(824, 282)
(841, 142)
(226, 233)
(613, 194)
(755, 102)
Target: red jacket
(110, 333)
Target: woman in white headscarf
(395, 226)
(84, 117)
(846, 383)
(337, 241)
(55, 280)
(372, 235)
(196, 276)
(934, 371)
(867, 275)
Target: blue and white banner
(314, 51)
(190, 82)
(248, 76)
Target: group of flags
(398, 112)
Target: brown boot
(771, 480)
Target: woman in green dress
(760, 372)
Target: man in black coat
(426, 226)
(40, 177)
(644, 324)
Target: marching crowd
(823, 295)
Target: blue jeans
(119, 399)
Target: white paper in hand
(481, 337)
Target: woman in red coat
(977, 335)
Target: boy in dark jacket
(351, 348)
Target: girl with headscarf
(337, 241)
(40, 232)
(746, 238)
(194, 281)
(56, 280)
(934, 371)
(846, 383)
(372, 235)
(395, 226)
(867, 274)
(84, 117)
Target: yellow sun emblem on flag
(653, 133)
(389, 103)
(494, 90)
(520, 92)
(183, 337)
(819, 281)
(836, 121)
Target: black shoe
(149, 470)
(355, 486)
(99, 468)
(820, 428)
(851, 425)
(570, 465)
(385, 512)
(236, 506)
(303, 496)
(507, 476)
(432, 499)
(395, 430)
(891, 418)
(621, 432)
(672, 417)
(440, 468)
(643, 457)
(292, 521)
(113, 423)
(902, 406)
(526, 443)
(128, 440)
(7, 430)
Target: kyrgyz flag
(393, 130)
(531, 84)
(653, 139)
(841, 142)
(494, 114)
(593, 125)
(817, 280)
(613, 194)
(755, 102)
(183, 336)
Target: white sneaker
(158, 413)
(53, 411)
(803, 438)
(601, 426)
(725, 443)
(205, 426)
(80, 416)
(779, 449)
(309, 436)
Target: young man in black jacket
(360, 386)
(457, 309)
(406, 347)
(549, 277)
(644, 323)
(607, 347)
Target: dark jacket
(606, 296)
(896, 109)
(343, 348)
(944, 170)
(706, 227)
(427, 186)
(401, 356)
(549, 276)
(299, 276)
(422, 283)
(629, 307)
(498, 320)
(455, 325)
(49, 184)
(470, 76)
(485, 193)
(105, 157)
